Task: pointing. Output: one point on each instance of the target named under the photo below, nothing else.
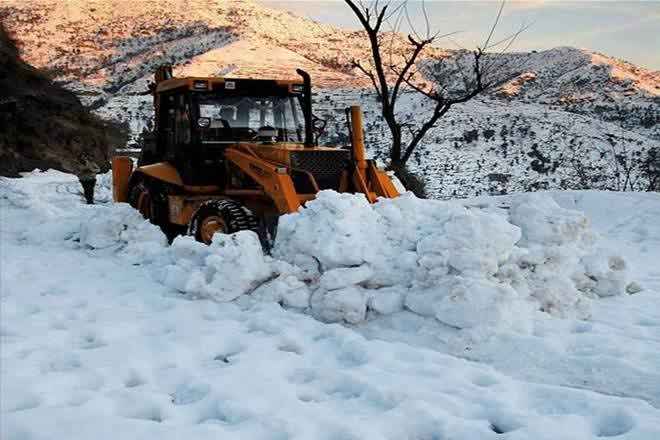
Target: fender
(162, 171)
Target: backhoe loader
(232, 154)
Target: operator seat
(226, 115)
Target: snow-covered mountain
(587, 83)
(569, 119)
(105, 47)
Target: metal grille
(320, 163)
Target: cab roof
(217, 83)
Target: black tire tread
(236, 216)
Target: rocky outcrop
(43, 125)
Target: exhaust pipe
(307, 107)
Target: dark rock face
(43, 125)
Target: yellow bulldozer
(232, 154)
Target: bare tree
(651, 169)
(394, 71)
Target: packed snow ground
(451, 320)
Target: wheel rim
(210, 225)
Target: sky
(629, 30)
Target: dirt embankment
(43, 125)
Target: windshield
(245, 118)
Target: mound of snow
(342, 259)
(231, 266)
(120, 227)
(561, 265)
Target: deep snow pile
(92, 346)
(342, 259)
(466, 267)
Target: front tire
(223, 216)
(149, 199)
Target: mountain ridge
(106, 35)
(107, 55)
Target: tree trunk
(395, 150)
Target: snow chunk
(231, 266)
(468, 302)
(348, 304)
(543, 221)
(334, 228)
(386, 300)
(286, 289)
(607, 275)
(345, 276)
(120, 227)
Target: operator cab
(228, 118)
(198, 118)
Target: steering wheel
(255, 134)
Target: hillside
(571, 119)
(587, 83)
(498, 146)
(43, 125)
(104, 47)
(564, 121)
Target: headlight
(204, 122)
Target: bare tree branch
(404, 71)
(410, 62)
(494, 26)
(369, 74)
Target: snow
(122, 228)
(230, 267)
(499, 146)
(108, 333)
(465, 267)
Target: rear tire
(224, 216)
(140, 198)
(148, 200)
